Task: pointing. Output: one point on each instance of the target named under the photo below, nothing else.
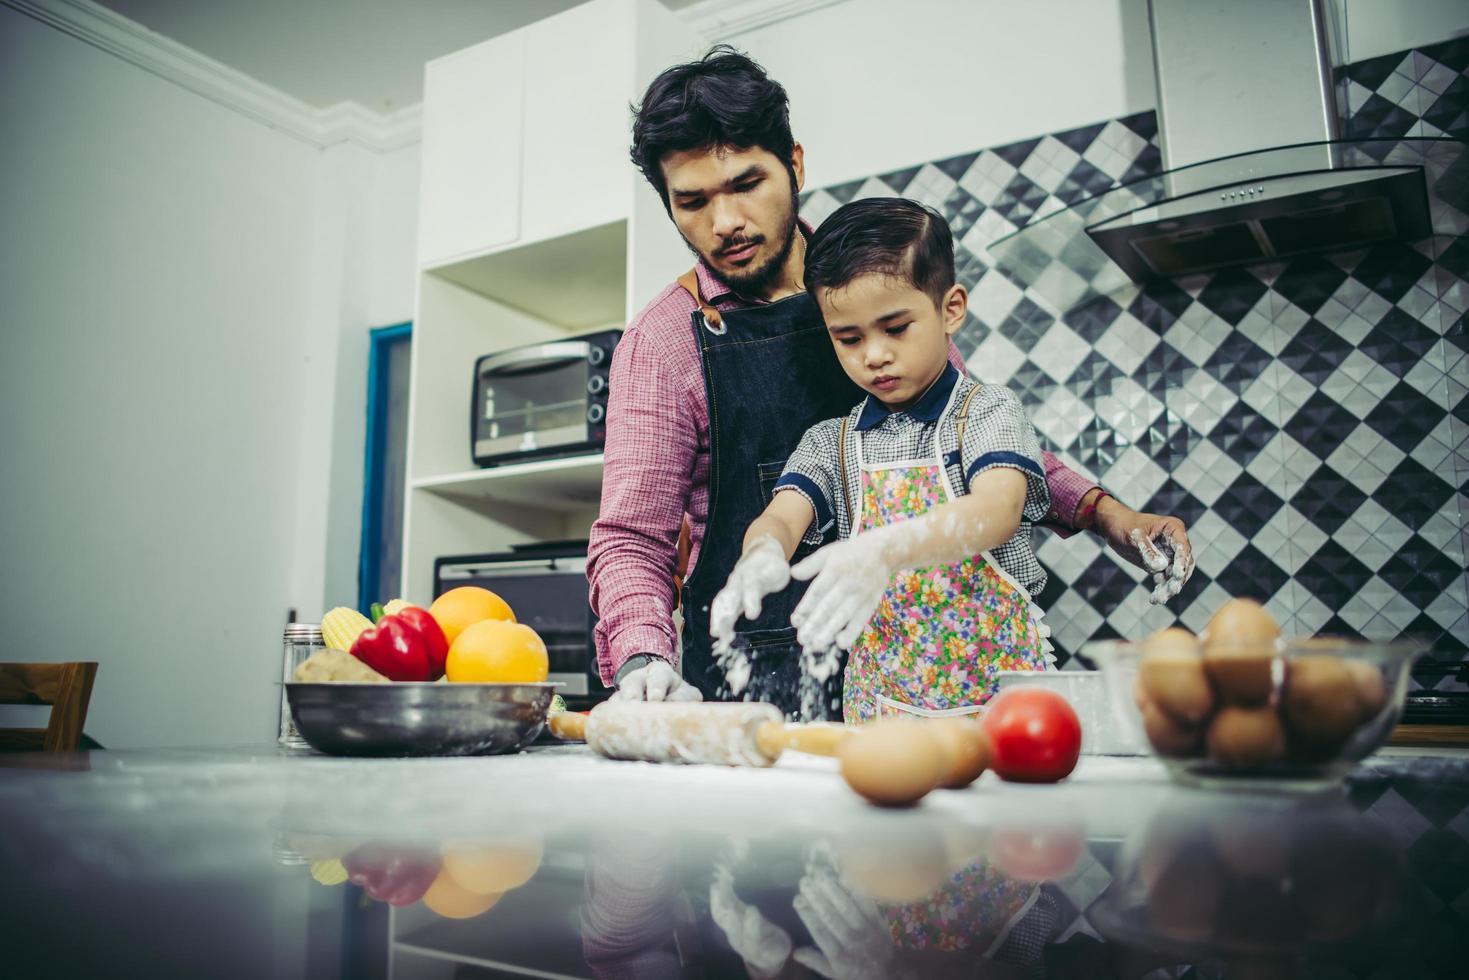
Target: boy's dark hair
(723, 99)
(890, 236)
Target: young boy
(933, 481)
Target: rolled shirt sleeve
(999, 433)
(647, 472)
(812, 472)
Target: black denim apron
(770, 373)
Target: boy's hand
(761, 570)
(849, 579)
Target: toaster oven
(546, 585)
(547, 399)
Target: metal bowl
(412, 718)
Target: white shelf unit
(534, 226)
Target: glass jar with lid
(301, 641)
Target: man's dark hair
(889, 236)
(723, 99)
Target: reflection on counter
(558, 863)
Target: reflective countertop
(554, 862)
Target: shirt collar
(715, 289)
(926, 409)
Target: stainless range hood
(1236, 76)
(1254, 166)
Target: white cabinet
(473, 105)
(534, 225)
(578, 83)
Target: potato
(337, 666)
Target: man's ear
(953, 308)
(798, 165)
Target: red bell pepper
(398, 876)
(407, 646)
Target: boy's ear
(798, 165)
(953, 308)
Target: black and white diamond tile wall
(1309, 420)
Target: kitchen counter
(229, 863)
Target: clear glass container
(301, 641)
(1331, 703)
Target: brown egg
(1371, 688)
(1172, 675)
(1239, 653)
(894, 869)
(1242, 677)
(893, 762)
(966, 750)
(1184, 900)
(1245, 737)
(1241, 623)
(1320, 701)
(1167, 735)
(1253, 844)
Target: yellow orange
(465, 606)
(493, 868)
(446, 897)
(496, 651)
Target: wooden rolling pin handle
(568, 725)
(773, 738)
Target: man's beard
(758, 280)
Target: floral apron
(941, 633)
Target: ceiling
(328, 51)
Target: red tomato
(1039, 853)
(1035, 735)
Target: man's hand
(761, 570)
(848, 581)
(655, 681)
(1158, 545)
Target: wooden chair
(66, 687)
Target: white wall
(178, 287)
(877, 85)
(1378, 27)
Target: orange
(465, 606)
(497, 651)
(493, 868)
(451, 901)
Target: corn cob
(329, 872)
(341, 627)
(394, 606)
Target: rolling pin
(728, 734)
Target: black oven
(546, 586)
(546, 399)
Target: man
(714, 383)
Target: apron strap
(690, 283)
(963, 418)
(959, 425)
(842, 470)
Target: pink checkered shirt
(657, 470)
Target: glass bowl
(1296, 715)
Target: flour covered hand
(655, 681)
(851, 936)
(764, 946)
(761, 570)
(848, 579)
